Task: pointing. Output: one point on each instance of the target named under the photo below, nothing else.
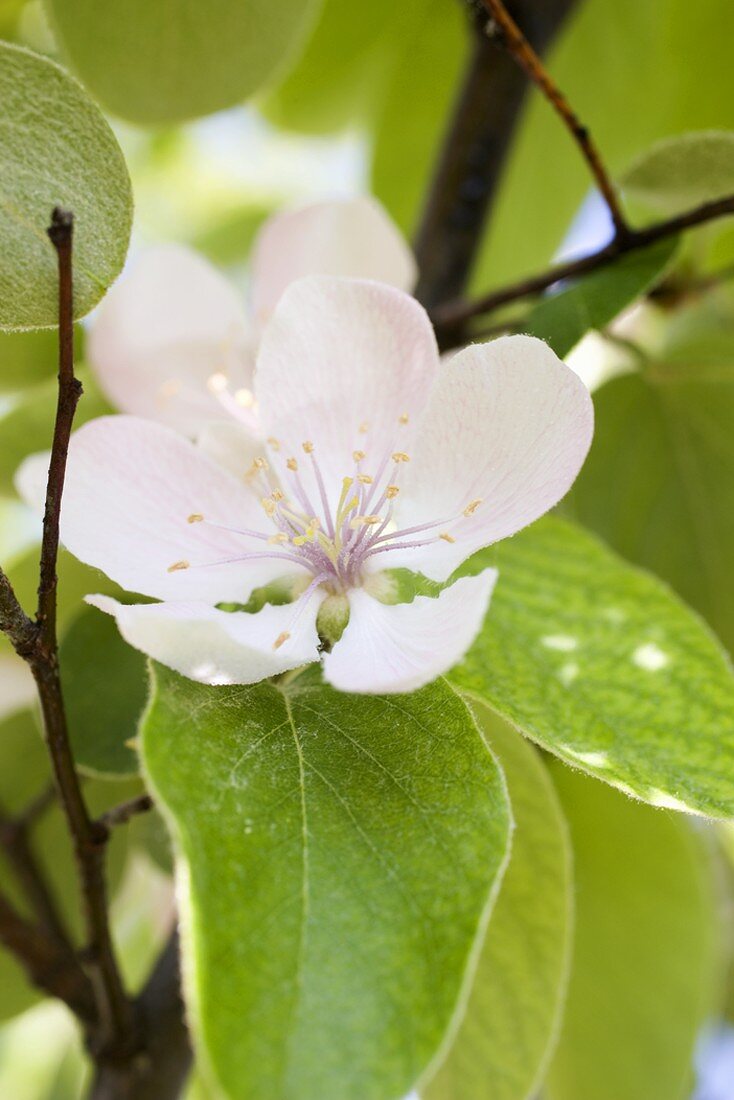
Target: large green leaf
(602, 665)
(24, 773)
(513, 1013)
(561, 319)
(176, 59)
(27, 424)
(55, 149)
(338, 855)
(101, 674)
(658, 484)
(643, 973)
(680, 172)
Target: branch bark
(474, 152)
(451, 319)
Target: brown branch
(508, 33)
(120, 815)
(16, 842)
(114, 1009)
(14, 623)
(49, 965)
(450, 320)
(474, 151)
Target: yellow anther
(403, 418)
(299, 540)
(177, 566)
(277, 495)
(365, 479)
(279, 539)
(447, 537)
(364, 521)
(391, 492)
(471, 508)
(274, 443)
(195, 517)
(400, 456)
(261, 464)
(217, 382)
(358, 455)
(292, 464)
(314, 522)
(245, 398)
(268, 505)
(308, 447)
(364, 427)
(279, 641)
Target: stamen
(170, 388)
(364, 427)
(195, 517)
(244, 398)
(400, 456)
(365, 479)
(446, 537)
(261, 464)
(217, 382)
(358, 455)
(308, 447)
(403, 418)
(178, 566)
(277, 495)
(278, 539)
(274, 443)
(391, 492)
(292, 464)
(471, 508)
(281, 639)
(268, 505)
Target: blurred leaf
(684, 171)
(643, 973)
(659, 481)
(105, 685)
(229, 239)
(602, 665)
(174, 60)
(513, 1014)
(56, 149)
(339, 854)
(28, 424)
(28, 358)
(671, 56)
(25, 773)
(593, 301)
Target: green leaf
(643, 975)
(683, 171)
(173, 60)
(338, 855)
(56, 149)
(101, 674)
(513, 1013)
(27, 424)
(593, 301)
(25, 773)
(658, 484)
(602, 665)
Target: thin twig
(14, 623)
(120, 815)
(89, 842)
(48, 964)
(16, 842)
(453, 315)
(512, 38)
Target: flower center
(333, 544)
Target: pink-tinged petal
(353, 237)
(347, 365)
(134, 493)
(30, 481)
(162, 331)
(390, 648)
(219, 647)
(230, 445)
(508, 425)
